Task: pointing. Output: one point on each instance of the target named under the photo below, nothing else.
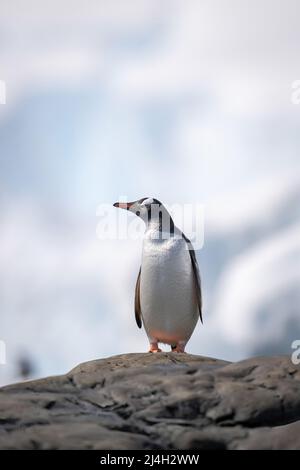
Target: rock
(157, 401)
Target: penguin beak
(124, 205)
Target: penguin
(168, 298)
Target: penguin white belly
(167, 291)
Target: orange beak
(124, 205)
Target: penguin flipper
(196, 275)
(137, 302)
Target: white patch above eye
(147, 201)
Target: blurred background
(189, 102)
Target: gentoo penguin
(168, 298)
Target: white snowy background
(187, 101)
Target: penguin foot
(154, 348)
(178, 348)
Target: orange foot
(154, 348)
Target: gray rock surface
(157, 401)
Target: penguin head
(147, 208)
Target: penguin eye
(138, 213)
